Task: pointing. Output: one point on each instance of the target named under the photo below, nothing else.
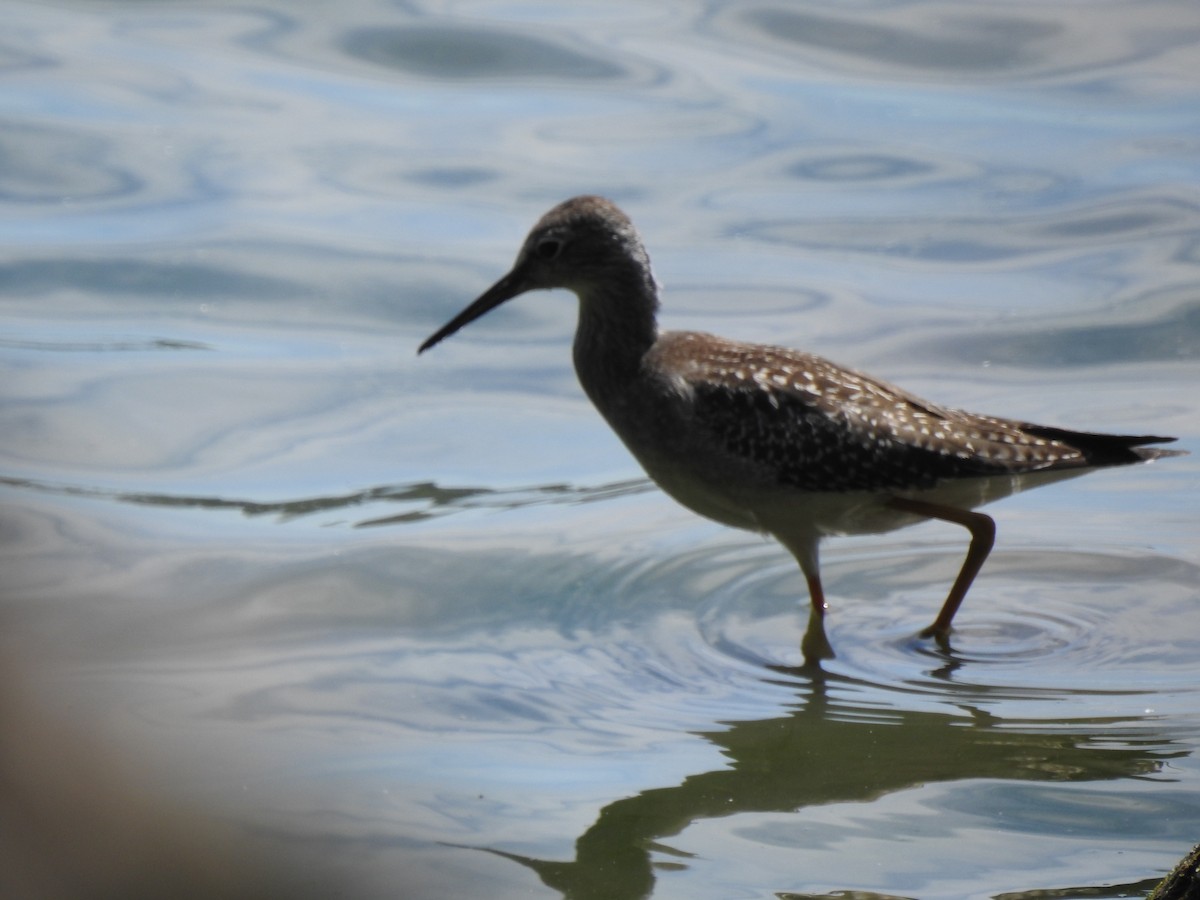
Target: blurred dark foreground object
(81, 819)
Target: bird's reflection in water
(817, 755)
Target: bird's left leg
(815, 645)
(983, 535)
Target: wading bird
(775, 440)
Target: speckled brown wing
(820, 427)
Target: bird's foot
(815, 645)
(941, 637)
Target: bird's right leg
(983, 535)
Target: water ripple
(932, 40)
(420, 501)
(491, 54)
(44, 164)
(1041, 625)
(972, 241)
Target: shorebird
(774, 440)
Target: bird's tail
(1107, 449)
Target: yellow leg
(983, 535)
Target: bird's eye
(548, 249)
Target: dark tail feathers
(1107, 449)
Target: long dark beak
(506, 288)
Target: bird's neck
(616, 328)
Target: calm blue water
(420, 627)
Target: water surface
(420, 627)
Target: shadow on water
(824, 752)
